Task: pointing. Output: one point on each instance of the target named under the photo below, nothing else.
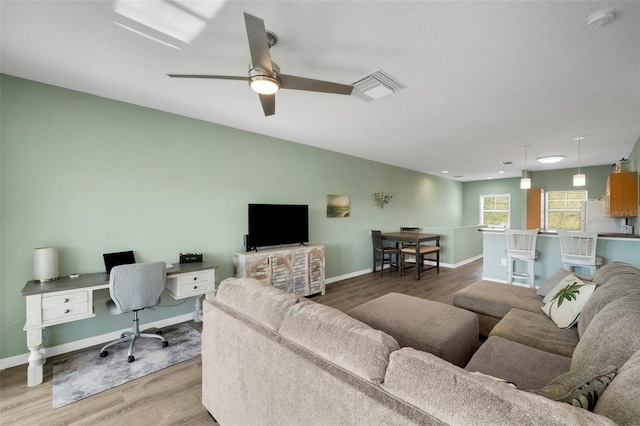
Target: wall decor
(382, 199)
(338, 206)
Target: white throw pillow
(565, 302)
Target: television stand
(296, 269)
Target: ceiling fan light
(264, 85)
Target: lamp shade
(579, 179)
(525, 183)
(45, 264)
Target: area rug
(85, 373)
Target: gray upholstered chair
(133, 288)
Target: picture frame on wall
(338, 206)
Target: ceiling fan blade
(268, 104)
(258, 45)
(301, 83)
(216, 77)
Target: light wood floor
(173, 396)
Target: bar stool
(521, 246)
(578, 249)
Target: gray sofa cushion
(614, 280)
(458, 397)
(613, 335)
(614, 269)
(337, 337)
(537, 331)
(620, 400)
(256, 299)
(496, 299)
(527, 367)
(443, 330)
(615, 288)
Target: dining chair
(384, 254)
(521, 247)
(423, 252)
(409, 230)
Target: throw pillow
(580, 387)
(565, 302)
(552, 282)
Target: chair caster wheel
(159, 332)
(165, 344)
(122, 335)
(130, 358)
(104, 354)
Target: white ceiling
(482, 78)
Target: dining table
(410, 238)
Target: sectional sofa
(269, 357)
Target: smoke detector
(600, 18)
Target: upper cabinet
(621, 196)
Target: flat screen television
(277, 224)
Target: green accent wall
(90, 175)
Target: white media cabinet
(295, 269)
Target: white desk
(71, 299)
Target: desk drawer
(59, 313)
(64, 299)
(191, 284)
(195, 288)
(196, 277)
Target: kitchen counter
(553, 233)
(611, 246)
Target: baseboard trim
(370, 270)
(90, 341)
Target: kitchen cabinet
(621, 196)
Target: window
(563, 209)
(494, 210)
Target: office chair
(521, 246)
(384, 254)
(578, 249)
(133, 288)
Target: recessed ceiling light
(489, 177)
(501, 171)
(551, 159)
(445, 171)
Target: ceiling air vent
(506, 163)
(376, 85)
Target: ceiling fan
(264, 75)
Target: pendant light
(579, 179)
(525, 182)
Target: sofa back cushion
(613, 269)
(612, 337)
(619, 401)
(614, 288)
(256, 300)
(335, 336)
